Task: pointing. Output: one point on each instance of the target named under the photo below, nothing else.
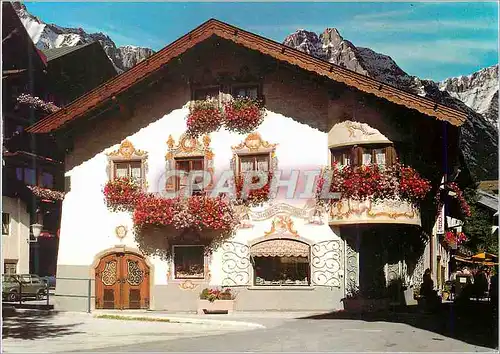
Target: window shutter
(390, 155)
(357, 156)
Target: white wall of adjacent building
(15, 245)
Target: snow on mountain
(479, 90)
(47, 36)
(476, 94)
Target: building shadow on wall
(473, 323)
(33, 324)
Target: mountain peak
(47, 36)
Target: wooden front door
(122, 282)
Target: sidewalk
(49, 331)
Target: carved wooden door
(107, 282)
(135, 283)
(122, 282)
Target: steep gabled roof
(252, 41)
(55, 53)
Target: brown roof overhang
(120, 83)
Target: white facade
(15, 241)
(82, 238)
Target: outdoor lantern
(36, 229)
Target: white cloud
(386, 14)
(444, 51)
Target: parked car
(51, 280)
(15, 286)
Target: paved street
(31, 331)
(296, 335)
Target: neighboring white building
(286, 256)
(15, 236)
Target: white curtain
(380, 156)
(262, 164)
(121, 171)
(246, 165)
(367, 158)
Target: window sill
(282, 287)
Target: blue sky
(430, 40)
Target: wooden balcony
(389, 211)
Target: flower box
(360, 305)
(215, 307)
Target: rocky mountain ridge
(48, 36)
(476, 94)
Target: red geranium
(204, 117)
(122, 194)
(243, 115)
(253, 197)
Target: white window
(380, 156)
(5, 223)
(10, 267)
(130, 169)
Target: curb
(190, 320)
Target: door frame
(122, 249)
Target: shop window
(189, 262)
(188, 165)
(281, 271)
(9, 267)
(128, 169)
(5, 223)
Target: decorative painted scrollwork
(282, 208)
(135, 275)
(254, 144)
(109, 275)
(326, 263)
(188, 285)
(282, 224)
(127, 152)
(393, 272)
(235, 264)
(351, 265)
(418, 273)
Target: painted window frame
(128, 154)
(12, 263)
(354, 154)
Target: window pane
(10, 268)
(347, 159)
(26, 279)
(263, 163)
(189, 262)
(281, 271)
(252, 93)
(19, 174)
(246, 163)
(30, 176)
(47, 180)
(5, 223)
(240, 92)
(380, 156)
(135, 170)
(121, 169)
(182, 165)
(203, 94)
(197, 165)
(367, 157)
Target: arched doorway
(122, 282)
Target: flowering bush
(374, 183)
(37, 102)
(204, 117)
(243, 115)
(216, 294)
(254, 197)
(455, 237)
(122, 194)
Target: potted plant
(243, 115)
(216, 301)
(204, 117)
